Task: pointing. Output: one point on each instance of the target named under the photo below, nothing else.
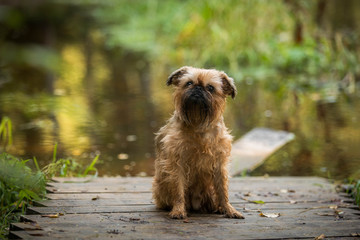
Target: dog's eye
(210, 88)
(189, 83)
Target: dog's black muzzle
(196, 106)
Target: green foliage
(13, 20)
(353, 189)
(237, 36)
(91, 167)
(68, 167)
(19, 186)
(6, 131)
(356, 193)
(247, 38)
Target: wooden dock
(122, 208)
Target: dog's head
(200, 94)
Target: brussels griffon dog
(193, 148)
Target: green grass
(352, 187)
(6, 131)
(68, 167)
(19, 186)
(355, 192)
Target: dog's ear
(175, 76)
(228, 85)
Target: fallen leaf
(51, 215)
(355, 234)
(287, 191)
(293, 202)
(253, 201)
(322, 236)
(186, 220)
(95, 198)
(269, 215)
(339, 212)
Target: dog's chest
(203, 149)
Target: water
(116, 116)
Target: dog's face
(200, 94)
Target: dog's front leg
(221, 189)
(178, 195)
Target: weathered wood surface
(255, 147)
(122, 208)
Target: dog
(193, 148)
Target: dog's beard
(196, 108)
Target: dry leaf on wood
(51, 215)
(269, 215)
(322, 236)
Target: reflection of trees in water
(124, 103)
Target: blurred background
(90, 76)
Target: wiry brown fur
(194, 146)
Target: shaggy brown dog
(193, 148)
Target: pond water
(116, 116)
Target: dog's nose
(198, 87)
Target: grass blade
(54, 153)
(36, 164)
(91, 166)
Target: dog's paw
(234, 214)
(230, 212)
(175, 214)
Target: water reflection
(114, 110)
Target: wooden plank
(136, 202)
(105, 208)
(258, 192)
(114, 234)
(161, 217)
(144, 185)
(254, 147)
(111, 234)
(145, 198)
(147, 226)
